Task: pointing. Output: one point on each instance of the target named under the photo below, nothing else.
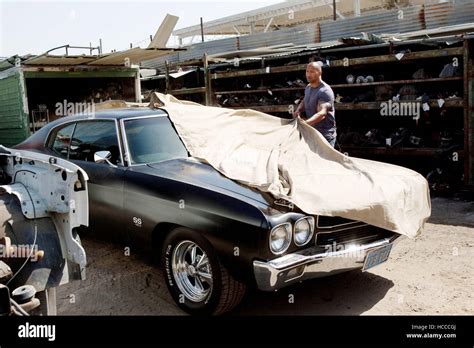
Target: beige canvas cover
(293, 161)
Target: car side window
(92, 136)
(61, 140)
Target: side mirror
(103, 157)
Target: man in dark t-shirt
(318, 104)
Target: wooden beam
(167, 77)
(207, 82)
(456, 51)
(187, 91)
(346, 85)
(397, 82)
(455, 103)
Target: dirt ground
(433, 274)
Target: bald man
(318, 104)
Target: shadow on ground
(350, 293)
(453, 212)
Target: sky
(37, 26)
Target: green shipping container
(13, 113)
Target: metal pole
(207, 81)
(202, 31)
(334, 9)
(357, 8)
(167, 77)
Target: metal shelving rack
(272, 67)
(203, 90)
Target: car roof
(38, 139)
(120, 113)
(112, 114)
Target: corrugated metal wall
(300, 35)
(13, 124)
(403, 20)
(391, 21)
(211, 47)
(449, 13)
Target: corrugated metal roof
(7, 63)
(296, 38)
(195, 51)
(60, 60)
(279, 53)
(135, 56)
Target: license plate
(376, 257)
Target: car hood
(193, 171)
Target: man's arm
(319, 116)
(299, 109)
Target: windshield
(153, 139)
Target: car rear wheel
(196, 279)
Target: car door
(149, 199)
(78, 142)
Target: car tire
(199, 285)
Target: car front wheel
(196, 279)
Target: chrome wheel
(192, 271)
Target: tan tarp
(293, 161)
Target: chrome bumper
(314, 262)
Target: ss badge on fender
(137, 221)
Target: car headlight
(280, 238)
(303, 231)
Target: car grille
(358, 235)
(333, 221)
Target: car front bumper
(314, 262)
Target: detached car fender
(44, 200)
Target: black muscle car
(213, 235)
